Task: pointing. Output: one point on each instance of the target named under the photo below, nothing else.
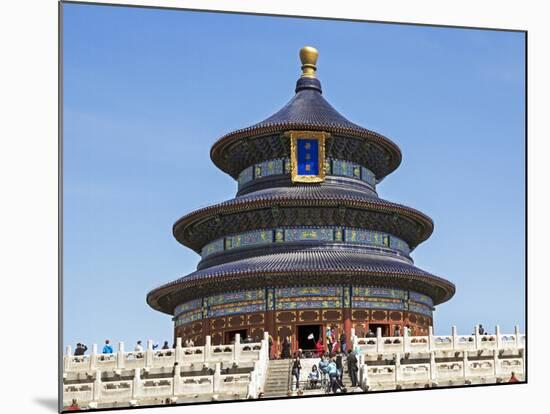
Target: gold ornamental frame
(320, 137)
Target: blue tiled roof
(308, 107)
(316, 260)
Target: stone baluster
(97, 386)
(120, 356)
(179, 351)
(149, 354)
(176, 380)
(465, 368)
(405, 339)
(67, 358)
(216, 379)
(398, 375)
(433, 367)
(517, 334)
(496, 362)
(207, 351)
(379, 343)
(431, 345)
(136, 384)
(498, 338)
(477, 337)
(256, 373)
(454, 336)
(237, 348)
(363, 375)
(93, 357)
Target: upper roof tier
(307, 110)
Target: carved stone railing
(393, 363)
(149, 358)
(379, 344)
(90, 390)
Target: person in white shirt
(138, 347)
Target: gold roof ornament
(308, 56)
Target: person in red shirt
(74, 406)
(513, 378)
(319, 347)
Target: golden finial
(308, 56)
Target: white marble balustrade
(392, 362)
(86, 384)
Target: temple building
(306, 243)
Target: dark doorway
(304, 335)
(384, 326)
(230, 335)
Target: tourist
(397, 331)
(80, 349)
(370, 334)
(313, 377)
(343, 342)
(333, 376)
(329, 340)
(270, 345)
(191, 343)
(300, 353)
(481, 329)
(352, 367)
(296, 367)
(107, 348)
(339, 365)
(323, 367)
(74, 406)
(513, 378)
(285, 353)
(165, 346)
(319, 348)
(138, 347)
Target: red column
(269, 326)
(347, 327)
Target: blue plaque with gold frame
(307, 156)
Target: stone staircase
(278, 377)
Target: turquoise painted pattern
(378, 304)
(369, 237)
(281, 166)
(293, 292)
(281, 235)
(309, 304)
(231, 310)
(250, 238)
(421, 298)
(243, 295)
(361, 291)
(419, 308)
(318, 234)
(302, 297)
(245, 176)
(211, 248)
(187, 306)
(188, 317)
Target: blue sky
(147, 92)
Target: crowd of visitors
(108, 348)
(329, 372)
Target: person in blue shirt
(107, 348)
(334, 383)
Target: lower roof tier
(302, 205)
(308, 266)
